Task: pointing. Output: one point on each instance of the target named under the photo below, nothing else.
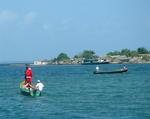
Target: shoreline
(23, 64)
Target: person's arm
(36, 86)
(31, 73)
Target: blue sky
(41, 29)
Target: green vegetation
(142, 50)
(86, 54)
(113, 53)
(126, 52)
(146, 58)
(62, 57)
(130, 53)
(125, 55)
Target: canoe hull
(110, 72)
(28, 91)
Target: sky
(41, 29)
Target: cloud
(30, 17)
(7, 16)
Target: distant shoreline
(23, 64)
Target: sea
(74, 92)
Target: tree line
(90, 54)
(130, 53)
(86, 54)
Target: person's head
(38, 81)
(27, 65)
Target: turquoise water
(74, 92)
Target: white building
(40, 63)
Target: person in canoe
(37, 89)
(28, 76)
(97, 68)
(39, 86)
(125, 68)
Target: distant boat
(110, 72)
(93, 62)
(27, 91)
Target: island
(89, 57)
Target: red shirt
(28, 72)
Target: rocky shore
(140, 55)
(111, 59)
